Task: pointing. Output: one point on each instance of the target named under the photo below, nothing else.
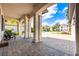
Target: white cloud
(60, 21)
(44, 23)
(65, 9)
(64, 21)
(57, 21)
(46, 15)
(51, 10)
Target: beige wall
(77, 29)
(0, 27)
(0, 22)
(73, 31)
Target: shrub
(32, 29)
(8, 34)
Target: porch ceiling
(16, 10)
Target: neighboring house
(11, 27)
(46, 28)
(51, 28)
(63, 27)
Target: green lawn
(57, 32)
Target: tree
(42, 28)
(32, 29)
(56, 27)
(69, 21)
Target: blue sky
(56, 13)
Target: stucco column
(29, 28)
(18, 26)
(37, 29)
(26, 27)
(2, 24)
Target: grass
(57, 32)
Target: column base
(36, 41)
(77, 54)
(26, 38)
(33, 42)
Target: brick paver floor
(27, 48)
(51, 45)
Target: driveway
(61, 42)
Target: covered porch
(32, 46)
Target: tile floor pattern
(27, 48)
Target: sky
(56, 13)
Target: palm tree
(69, 21)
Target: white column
(37, 29)
(18, 27)
(26, 27)
(29, 28)
(2, 24)
(21, 27)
